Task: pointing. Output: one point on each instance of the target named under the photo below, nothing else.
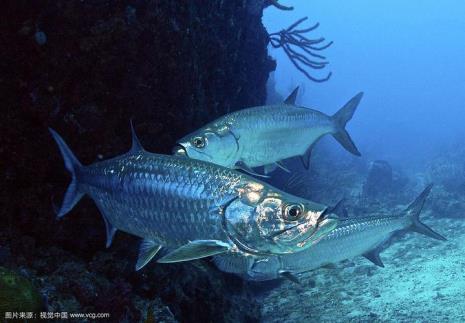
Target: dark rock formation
(379, 179)
(383, 180)
(447, 204)
(85, 68)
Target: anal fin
(195, 250)
(290, 276)
(305, 158)
(148, 249)
(111, 230)
(373, 256)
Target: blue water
(407, 56)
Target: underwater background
(86, 68)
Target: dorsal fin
(292, 97)
(136, 145)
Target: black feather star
(302, 51)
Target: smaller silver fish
(359, 236)
(265, 135)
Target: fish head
(267, 222)
(215, 144)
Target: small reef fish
(190, 208)
(265, 135)
(366, 236)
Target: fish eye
(293, 212)
(198, 142)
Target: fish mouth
(179, 150)
(305, 235)
(325, 223)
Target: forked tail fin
(72, 195)
(340, 120)
(413, 211)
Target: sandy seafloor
(423, 281)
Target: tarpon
(190, 208)
(358, 236)
(265, 135)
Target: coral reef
(18, 294)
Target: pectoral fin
(148, 249)
(242, 166)
(283, 167)
(195, 250)
(269, 168)
(272, 167)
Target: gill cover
(216, 144)
(263, 222)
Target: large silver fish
(192, 208)
(265, 135)
(364, 236)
